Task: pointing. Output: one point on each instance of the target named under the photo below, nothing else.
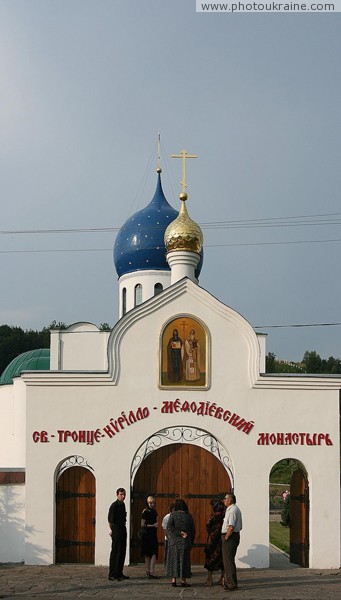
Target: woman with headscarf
(181, 533)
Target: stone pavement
(282, 581)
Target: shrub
(285, 514)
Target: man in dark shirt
(117, 517)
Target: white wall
(80, 347)
(12, 425)
(73, 403)
(147, 279)
(12, 523)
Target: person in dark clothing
(149, 541)
(181, 534)
(213, 552)
(174, 357)
(117, 517)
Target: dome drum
(183, 264)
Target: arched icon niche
(184, 353)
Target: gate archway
(179, 463)
(75, 512)
(295, 515)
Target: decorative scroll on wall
(183, 435)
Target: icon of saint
(192, 357)
(175, 357)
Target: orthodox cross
(183, 323)
(184, 155)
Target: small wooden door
(178, 471)
(299, 519)
(75, 516)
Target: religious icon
(183, 353)
(192, 357)
(174, 357)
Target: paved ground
(282, 581)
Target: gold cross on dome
(184, 155)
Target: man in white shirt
(164, 527)
(230, 537)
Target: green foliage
(105, 327)
(282, 471)
(281, 366)
(283, 475)
(15, 341)
(315, 364)
(270, 362)
(275, 498)
(311, 363)
(285, 514)
(55, 325)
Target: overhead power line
(296, 221)
(272, 243)
(50, 250)
(47, 231)
(296, 325)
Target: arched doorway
(289, 508)
(179, 470)
(75, 512)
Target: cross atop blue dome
(139, 244)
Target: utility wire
(272, 243)
(297, 221)
(206, 246)
(296, 325)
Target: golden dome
(183, 233)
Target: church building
(173, 402)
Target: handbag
(142, 532)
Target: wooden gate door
(75, 516)
(299, 519)
(178, 471)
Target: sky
(85, 87)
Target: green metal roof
(33, 360)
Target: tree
(270, 362)
(333, 365)
(55, 325)
(15, 341)
(281, 366)
(312, 362)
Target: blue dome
(139, 244)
